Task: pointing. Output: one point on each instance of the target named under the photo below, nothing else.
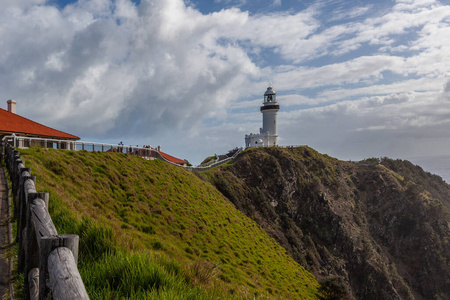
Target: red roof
(172, 158)
(13, 123)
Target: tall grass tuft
(202, 271)
(138, 276)
(95, 240)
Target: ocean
(439, 165)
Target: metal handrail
(204, 168)
(77, 145)
(148, 153)
(152, 153)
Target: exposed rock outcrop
(381, 227)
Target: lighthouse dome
(270, 95)
(270, 91)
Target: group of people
(137, 146)
(132, 150)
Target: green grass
(149, 230)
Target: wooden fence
(47, 259)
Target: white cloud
(395, 125)
(343, 14)
(422, 84)
(352, 71)
(111, 69)
(276, 3)
(162, 69)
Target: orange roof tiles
(13, 123)
(172, 158)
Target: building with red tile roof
(11, 123)
(173, 159)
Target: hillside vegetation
(150, 230)
(377, 229)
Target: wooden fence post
(33, 279)
(23, 175)
(30, 243)
(13, 174)
(15, 168)
(47, 245)
(21, 221)
(45, 197)
(64, 279)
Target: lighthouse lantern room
(268, 133)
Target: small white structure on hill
(268, 133)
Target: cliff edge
(376, 229)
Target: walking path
(4, 265)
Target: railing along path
(217, 163)
(47, 259)
(147, 153)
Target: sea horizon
(438, 165)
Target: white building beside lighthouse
(268, 133)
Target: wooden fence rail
(48, 259)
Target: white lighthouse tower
(268, 133)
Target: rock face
(380, 229)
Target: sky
(354, 79)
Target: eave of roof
(13, 123)
(172, 158)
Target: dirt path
(4, 265)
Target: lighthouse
(268, 133)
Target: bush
(333, 288)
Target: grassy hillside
(149, 230)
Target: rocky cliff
(377, 229)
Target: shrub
(333, 288)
